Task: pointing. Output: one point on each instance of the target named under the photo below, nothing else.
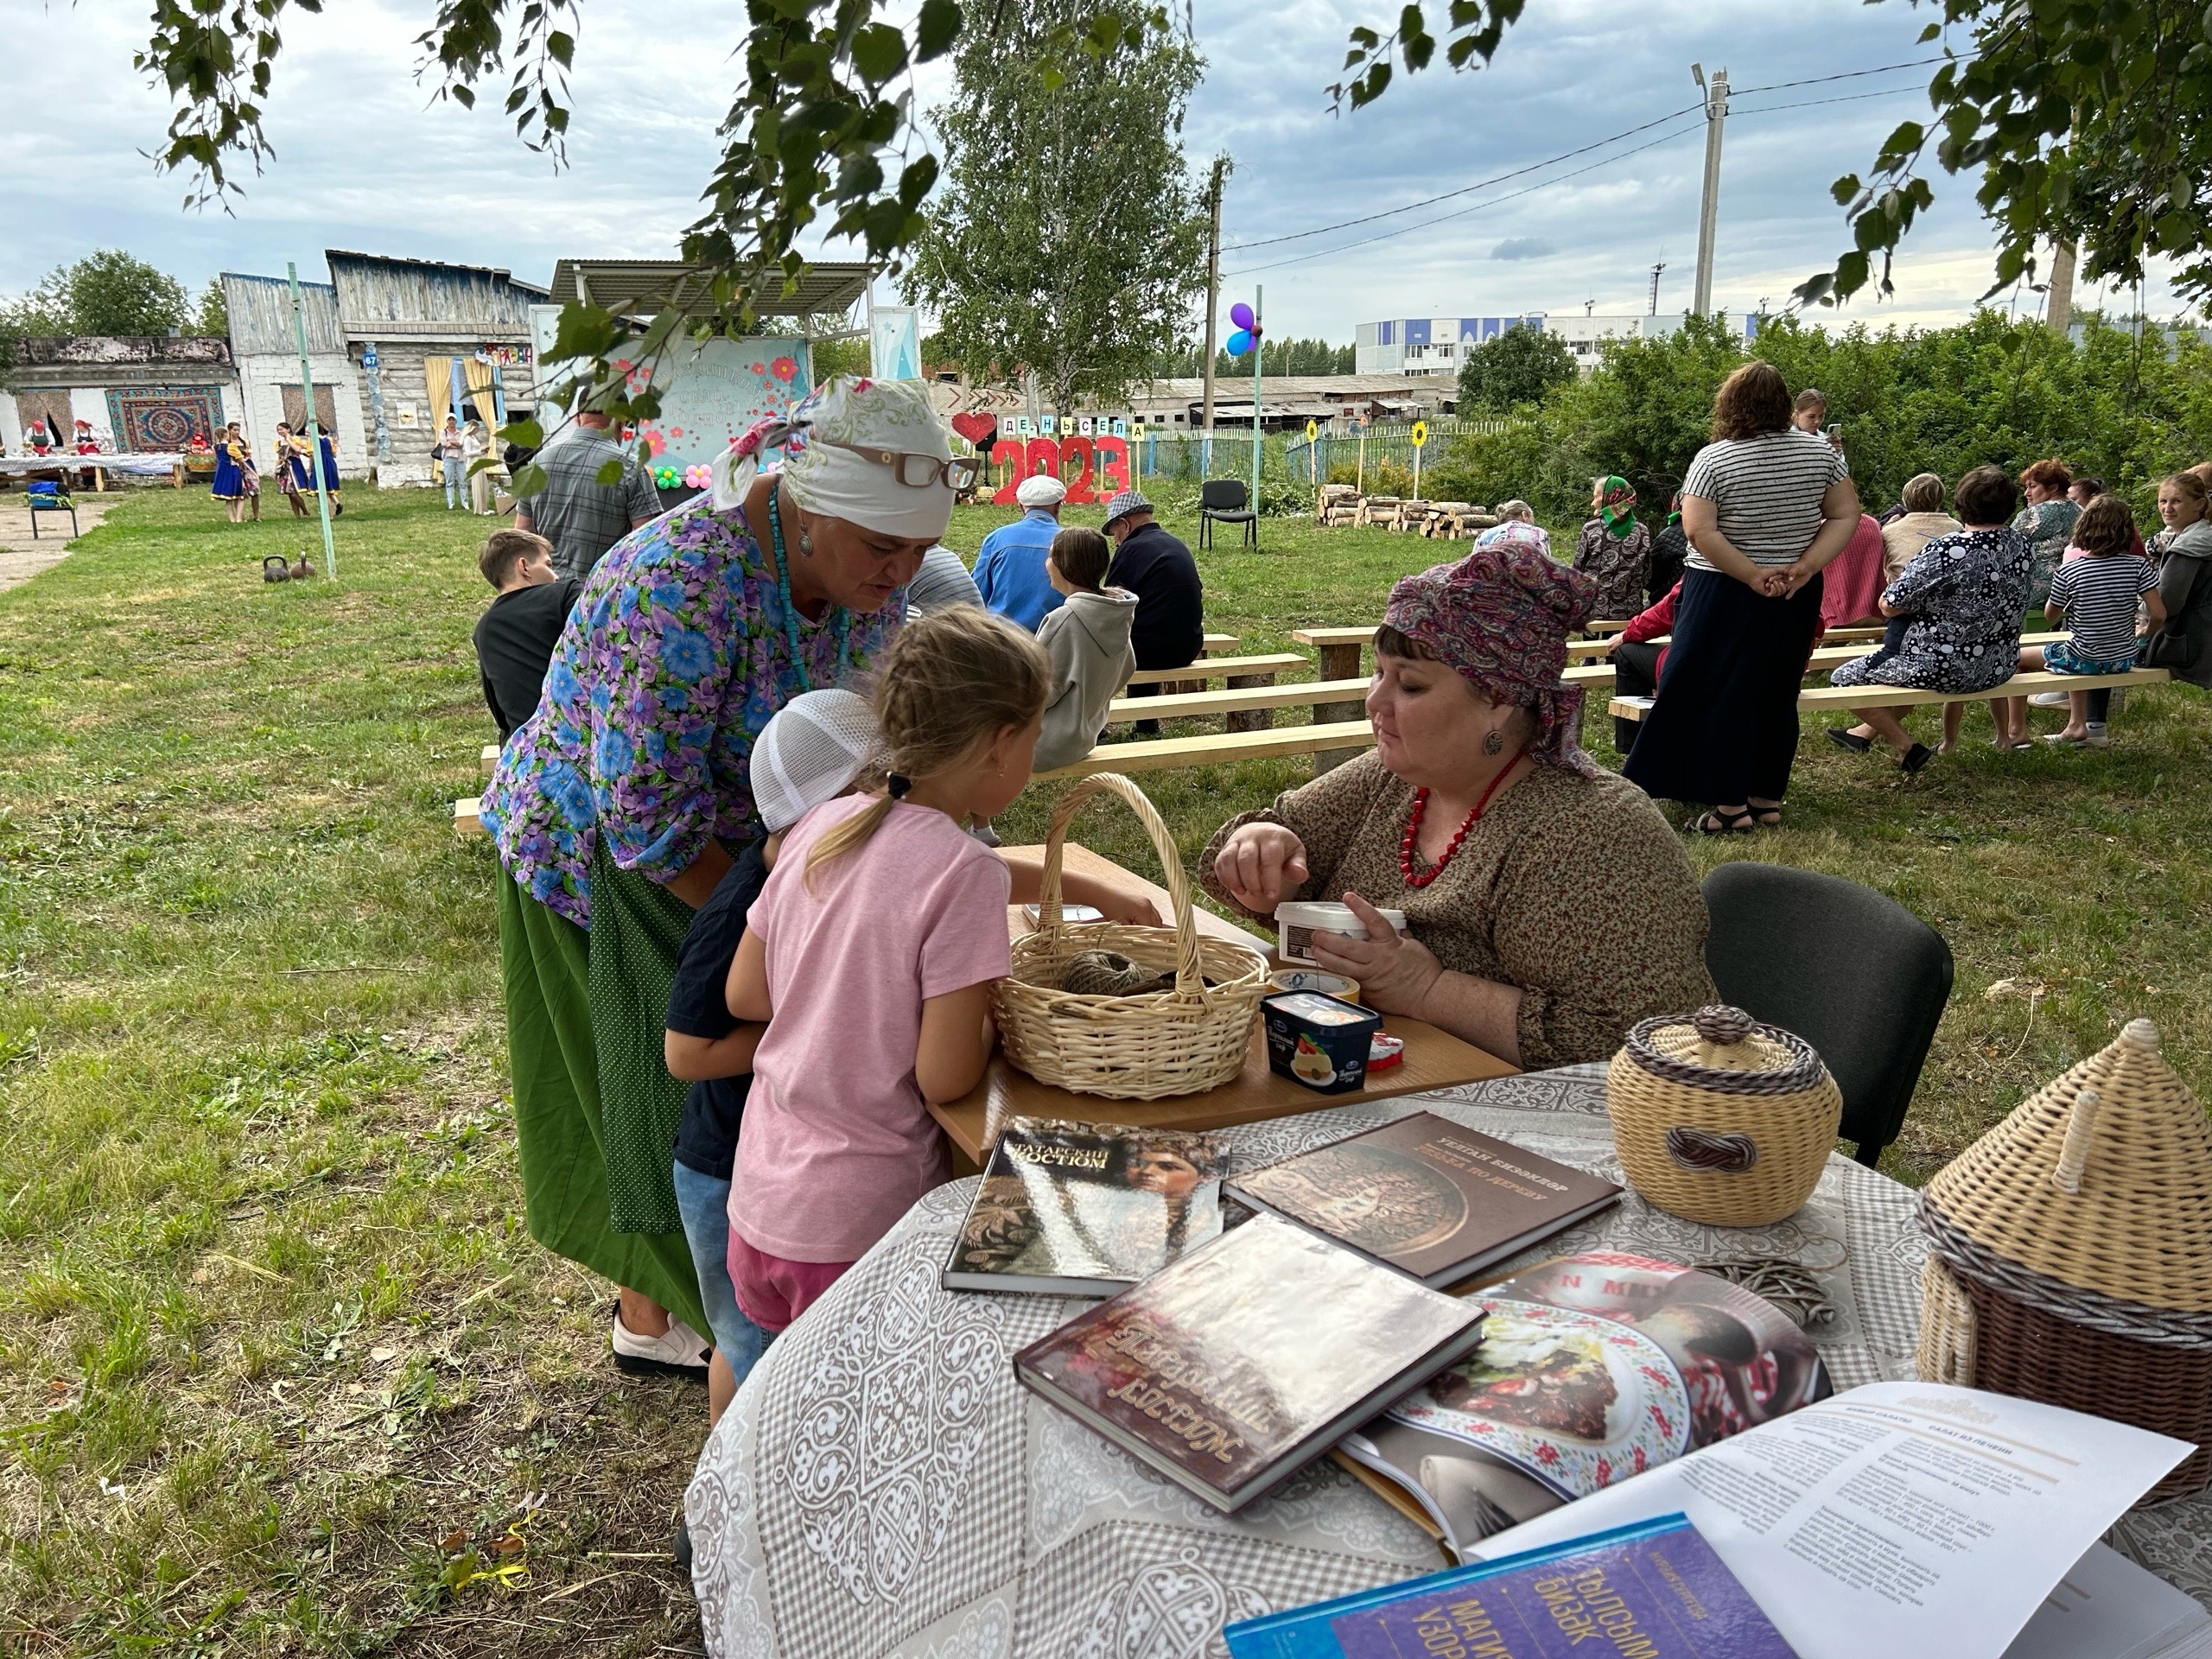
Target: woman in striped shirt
(1765, 506)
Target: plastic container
(1297, 923)
(1320, 1041)
(1385, 1050)
(1313, 979)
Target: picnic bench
(1325, 740)
(1905, 696)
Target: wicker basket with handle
(1148, 1046)
(2070, 1253)
(1720, 1119)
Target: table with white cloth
(884, 1486)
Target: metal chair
(48, 497)
(1225, 501)
(1855, 974)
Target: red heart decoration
(974, 426)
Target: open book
(1592, 1368)
(1897, 1519)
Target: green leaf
(1845, 188)
(936, 28)
(1850, 274)
(610, 472)
(524, 432)
(1930, 33)
(878, 52)
(530, 481)
(561, 49)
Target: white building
(265, 345)
(1438, 345)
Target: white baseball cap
(810, 753)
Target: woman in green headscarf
(1615, 549)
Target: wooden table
(1434, 1059)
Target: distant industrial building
(1288, 400)
(1421, 345)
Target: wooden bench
(1210, 643)
(1906, 697)
(1215, 668)
(1259, 699)
(1320, 740)
(468, 819)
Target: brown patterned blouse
(1571, 888)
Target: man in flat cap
(1010, 571)
(1158, 568)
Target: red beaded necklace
(1412, 831)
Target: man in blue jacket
(1010, 569)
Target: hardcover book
(1427, 1197)
(1244, 1361)
(1592, 1368)
(1086, 1209)
(1654, 1590)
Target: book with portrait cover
(1086, 1209)
(1427, 1197)
(1654, 1589)
(1244, 1361)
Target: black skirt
(1724, 725)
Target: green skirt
(595, 1109)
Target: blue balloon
(1239, 343)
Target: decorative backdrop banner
(895, 342)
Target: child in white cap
(814, 750)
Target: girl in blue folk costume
(303, 468)
(229, 486)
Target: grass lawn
(280, 1371)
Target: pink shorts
(772, 1292)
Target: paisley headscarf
(839, 482)
(1616, 505)
(1500, 618)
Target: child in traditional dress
(871, 953)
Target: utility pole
(322, 485)
(1716, 116)
(1213, 302)
(1259, 350)
(1656, 270)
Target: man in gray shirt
(582, 517)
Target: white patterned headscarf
(841, 483)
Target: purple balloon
(1240, 315)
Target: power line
(1484, 184)
(1441, 219)
(1480, 206)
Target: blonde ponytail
(947, 685)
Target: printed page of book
(1899, 1518)
(2107, 1607)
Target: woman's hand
(1396, 971)
(1260, 865)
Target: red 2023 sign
(1105, 465)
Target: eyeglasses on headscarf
(918, 471)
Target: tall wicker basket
(2071, 1253)
(1148, 1046)
(1720, 1119)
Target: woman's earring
(1493, 741)
(805, 541)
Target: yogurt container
(1320, 1041)
(1297, 922)
(1313, 979)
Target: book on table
(1910, 1519)
(1248, 1358)
(1423, 1195)
(1654, 1591)
(1069, 1209)
(1592, 1368)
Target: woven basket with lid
(2071, 1253)
(1151, 1046)
(1720, 1119)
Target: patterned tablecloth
(883, 1486)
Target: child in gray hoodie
(1088, 640)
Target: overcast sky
(365, 159)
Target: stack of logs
(1342, 504)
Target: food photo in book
(1592, 1368)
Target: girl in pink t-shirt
(870, 953)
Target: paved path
(21, 558)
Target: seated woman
(1854, 581)
(1960, 600)
(1549, 907)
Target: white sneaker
(2048, 700)
(681, 1352)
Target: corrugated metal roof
(261, 316)
(382, 297)
(824, 289)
